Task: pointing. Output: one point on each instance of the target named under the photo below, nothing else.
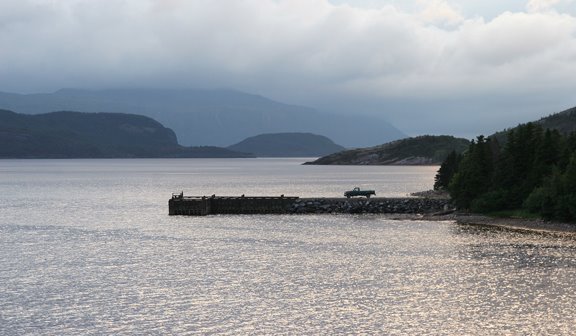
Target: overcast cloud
(435, 66)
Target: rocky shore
(512, 224)
(516, 224)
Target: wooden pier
(211, 205)
(206, 205)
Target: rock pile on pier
(373, 205)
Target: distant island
(287, 145)
(94, 135)
(422, 150)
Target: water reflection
(517, 249)
(312, 275)
(117, 264)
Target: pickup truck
(357, 192)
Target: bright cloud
(440, 11)
(541, 5)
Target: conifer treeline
(535, 170)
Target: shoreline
(505, 223)
(518, 224)
(513, 224)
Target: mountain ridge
(287, 145)
(68, 134)
(421, 150)
(210, 116)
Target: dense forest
(533, 169)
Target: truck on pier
(357, 192)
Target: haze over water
(87, 247)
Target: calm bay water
(87, 248)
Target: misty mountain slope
(564, 121)
(433, 149)
(287, 145)
(422, 150)
(210, 117)
(92, 135)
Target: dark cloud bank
(434, 70)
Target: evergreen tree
(474, 174)
(536, 170)
(447, 171)
(542, 200)
(566, 202)
(547, 155)
(516, 175)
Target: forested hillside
(564, 122)
(422, 150)
(533, 171)
(92, 135)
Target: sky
(459, 67)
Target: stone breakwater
(201, 206)
(371, 205)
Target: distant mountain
(287, 145)
(92, 135)
(422, 150)
(210, 117)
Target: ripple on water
(285, 275)
(86, 248)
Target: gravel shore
(518, 224)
